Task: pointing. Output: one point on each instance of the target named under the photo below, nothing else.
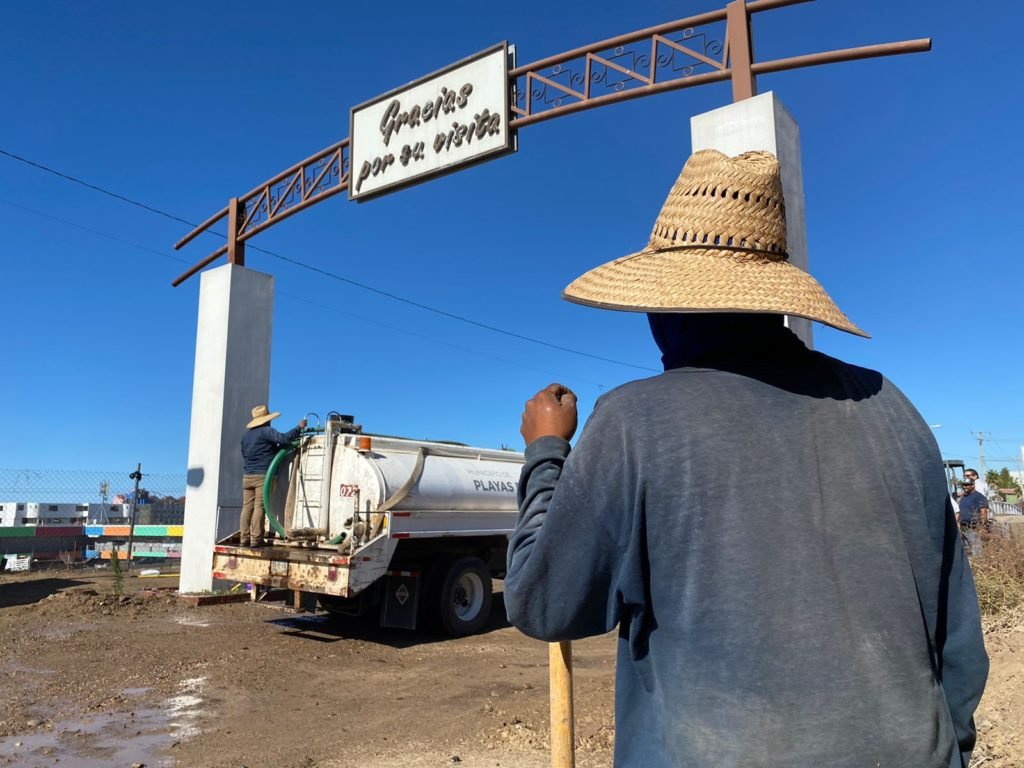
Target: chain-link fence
(56, 486)
(76, 516)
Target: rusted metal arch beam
(921, 45)
(778, 65)
(258, 190)
(321, 164)
(660, 29)
(326, 173)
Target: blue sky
(911, 169)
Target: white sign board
(19, 562)
(444, 121)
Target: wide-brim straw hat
(718, 245)
(260, 416)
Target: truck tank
(351, 487)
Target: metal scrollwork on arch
(635, 64)
(319, 176)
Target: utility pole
(104, 493)
(982, 470)
(136, 476)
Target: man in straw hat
(260, 444)
(768, 527)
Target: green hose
(268, 481)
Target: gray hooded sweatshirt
(769, 529)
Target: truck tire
(462, 597)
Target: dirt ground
(97, 680)
(92, 679)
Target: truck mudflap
(284, 568)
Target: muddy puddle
(140, 737)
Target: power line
(86, 184)
(327, 273)
(96, 232)
(296, 297)
(460, 318)
(365, 319)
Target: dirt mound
(1006, 622)
(88, 601)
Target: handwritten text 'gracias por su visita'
(485, 123)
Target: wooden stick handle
(563, 739)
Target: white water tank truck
(409, 531)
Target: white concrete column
(232, 375)
(762, 123)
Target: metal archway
(671, 56)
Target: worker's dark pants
(251, 526)
(972, 538)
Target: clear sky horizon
(911, 169)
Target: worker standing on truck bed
(768, 527)
(260, 444)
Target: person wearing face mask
(768, 528)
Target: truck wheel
(465, 597)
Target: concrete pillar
(762, 123)
(232, 375)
